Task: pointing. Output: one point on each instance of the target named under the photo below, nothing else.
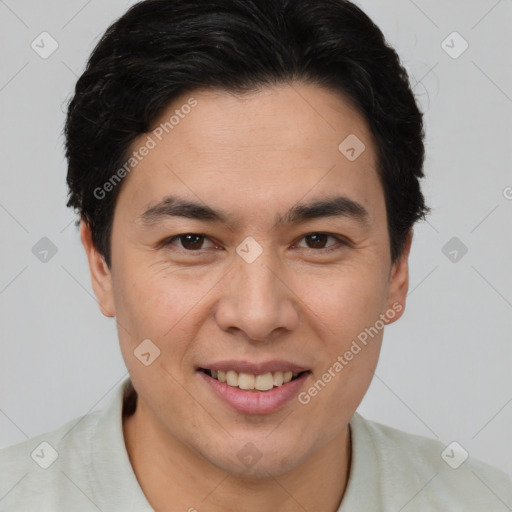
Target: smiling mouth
(249, 382)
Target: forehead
(256, 152)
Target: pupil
(187, 241)
(322, 240)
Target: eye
(189, 241)
(193, 242)
(318, 241)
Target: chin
(250, 462)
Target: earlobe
(101, 277)
(399, 282)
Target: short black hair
(160, 49)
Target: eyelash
(341, 242)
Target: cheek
(346, 300)
(156, 303)
(157, 309)
(352, 307)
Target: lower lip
(256, 402)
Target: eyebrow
(339, 206)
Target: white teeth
(232, 378)
(246, 381)
(278, 378)
(264, 382)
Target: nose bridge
(257, 280)
(257, 301)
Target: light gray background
(445, 366)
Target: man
(247, 178)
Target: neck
(170, 472)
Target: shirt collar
(113, 480)
(363, 488)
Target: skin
(252, 156)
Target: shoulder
(83, 465)
(35, 472)
(438, 474)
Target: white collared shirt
(84, 466)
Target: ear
(101, 276)
(399, 283)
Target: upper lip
(255, 368)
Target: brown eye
(319, 241)
(189, 241)
(192, 242)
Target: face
(245, 239)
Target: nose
(257, 300)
